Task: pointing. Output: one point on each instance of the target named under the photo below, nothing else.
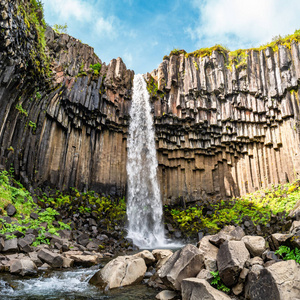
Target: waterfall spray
(144, 207)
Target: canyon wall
(222, 130)
(226, 131)
(67, 128)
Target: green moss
(208, 51)
(238, 58)
(21, 110)
(152, 87)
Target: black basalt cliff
(222, 129)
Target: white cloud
(243, 23)
(105, 27)
(67, 9)
(128, 59)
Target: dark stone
(52, 259)
(260, 285)
(1, 244)
(7, 219)
(24, 245)
(11, 246)
(200, 235)
(18, 234)
(34, 216)
(11, 210)
(177, 234)
(83, 239)
(269, 255)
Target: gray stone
(231, 259)
(53, 259)
(195, 288)
(256, 245)
(11, 246)
(166, 295)
(23, 267)
(11, 210)
(147, 256)
(121, 271)
(184, 263)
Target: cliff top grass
(239, 57)
(258, 207)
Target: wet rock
(231, 259)
(34, 257)
(184, 263)
(53, 259)
(195, 288)
(23, 267)
(121, 271)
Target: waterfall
(144, 206)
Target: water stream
(66, 285)
(144, 207)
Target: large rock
(85, 260)
(196, 289)
(255, 244)
(147, 256)
(209, 253)
(261, 285)
(278, 239)
(11, 246)
(11, 210)
(184, 263)
(287, 278)
(121, 271)
(53, 259)
(161, 256)
(167, 295)
(23, 267)
(231, 259)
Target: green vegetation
(289, 254)
(32, 13)
(217, 282)
(96, 68)
(239, 57)
(33, 126)
(21, 110)
(13, 192)
(60, 28)
(38, 95)
(258, 206)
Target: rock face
(221, 130)
(184, 263)
(121, 271)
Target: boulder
(11, 246)
(184, 263)
(209, 253)
(67, 262)
(121, 271)
(147, 256)
(256, 245)
(24, 245)
(83, 239)
(161, 256)
(33, 256)
(53, 259)
(23, 267)
(166, 295)
(11, 210)
(231, 259)
(195, 288)
(260, 285)
(287, 278)
(278, 239)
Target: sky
(142, 32)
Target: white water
(144, 207)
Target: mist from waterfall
(144, 206)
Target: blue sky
(142, 32)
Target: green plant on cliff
(32, 13)
(21, 110)
(96, 68)
(152, 87)
(60, 28)
(238, 58)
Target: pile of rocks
(247, 265)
